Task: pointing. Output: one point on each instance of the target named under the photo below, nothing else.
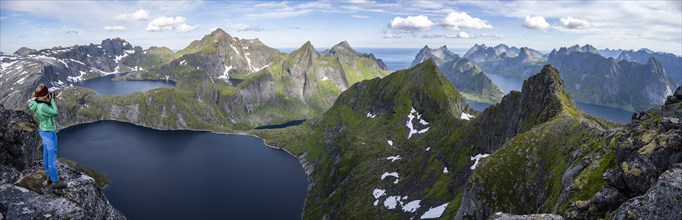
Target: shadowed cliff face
(23, 194)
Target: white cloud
(281, 14)
(170, 23)
(573, 23)
(244, 27)
(427, 35)
(360, 16)
(392, 36)
(411, 23)
(463, 34)
(493, 36)
(272, 5)
(456, 20)
(139, 15)
(315, 5)
(185, 28)
(114, 28)
(536, 22)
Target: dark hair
(41, 91)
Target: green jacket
(45, 113)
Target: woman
(45, 107)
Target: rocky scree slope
(22, 192)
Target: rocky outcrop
(541, 98)
(506, 216)
(662, 201)
(23, 190)
(23, 51)
(646, 179)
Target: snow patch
(412, 206)
(76, 78)
(414, 114)
(466, 116)
(428, 148)
(378, 193)
(20, 80)
(394, 158)
(435, 212)
(248, 61)
(234, 48)
(226, 74)
(325, 79)
(445, 170)
(393, 174)
(392, 201)
(390, 142)
(183, 62)
(369, 115)
(477, 158)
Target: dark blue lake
(188, 174)
(106, 86)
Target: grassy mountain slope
(347, 149)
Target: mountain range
(284, 87)
(398, 147)
(594, 79)
(589, 76)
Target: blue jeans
(50, 154)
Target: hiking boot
(57, 185)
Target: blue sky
(541, 25)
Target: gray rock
(662, 201)
(506, 216)
(31, 198)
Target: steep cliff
(23, 192)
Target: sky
(542, 25)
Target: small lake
(106, 86)
(188, 174)
(282, 125)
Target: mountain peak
(443, 47)
(218, 32)
(542, 97)
(548, 84)
(343, 48)
(306, 51)
(23, 51)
